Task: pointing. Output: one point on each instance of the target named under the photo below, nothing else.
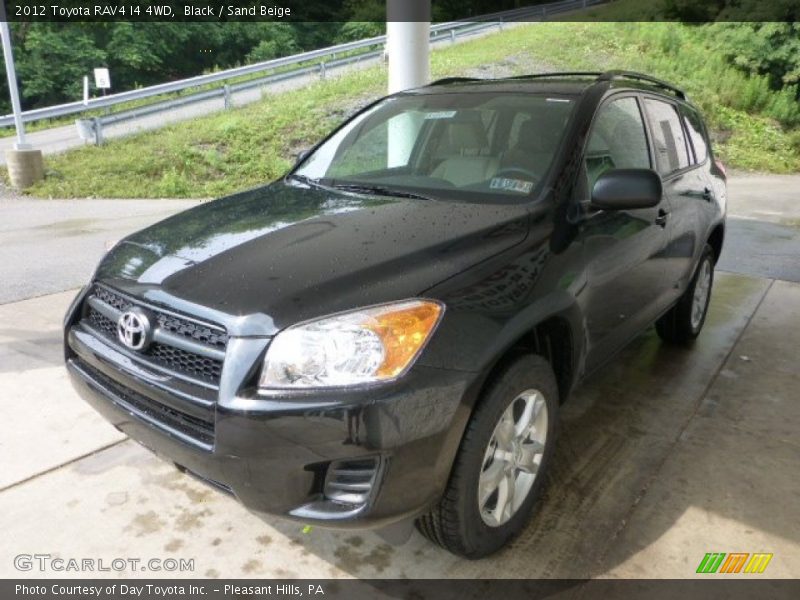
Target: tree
(277, 39)
(53, 59)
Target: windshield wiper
(378, 190)
(310, 181)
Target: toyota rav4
(385, 334)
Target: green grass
(755, 129)
(42, 124)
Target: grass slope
(237, 149)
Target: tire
(457, 522)
(684, 321)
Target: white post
(408, 43)
(85, 90)
(408, 31)
(11, 73)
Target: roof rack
(598, 75)
(594, 74)
(616, 74)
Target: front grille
(200, 333)
(195, 428)
(202, 361)
(186, 362)
(102, 323)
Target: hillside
(754, 127)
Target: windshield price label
(511, 185)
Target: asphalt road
(53, 245)
(763, 237)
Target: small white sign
(102, 78)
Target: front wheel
(684, 321)
(501, 465)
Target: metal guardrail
(305, 62)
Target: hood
(294, 253)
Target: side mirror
(625, 189)
(301, 155)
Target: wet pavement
(664, 455)
(53, 245)
(763, 236)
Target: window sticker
(519, 186)
(442, 114)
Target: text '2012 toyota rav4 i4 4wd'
(386, 334)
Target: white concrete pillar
(408, 30)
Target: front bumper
(276, 454)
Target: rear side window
(618, 139)
(694, 125)
(668, 138)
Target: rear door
(685, 185)
(623, 248)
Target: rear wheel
(501, 465)
(684, 321)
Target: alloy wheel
(512, 458)
(702, 287)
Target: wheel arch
(552, 334)
(716, 239)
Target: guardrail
(305, 63)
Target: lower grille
(351, 481)
(188, 426)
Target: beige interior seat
(465, 164)
(535, 147)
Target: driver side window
(617, 141)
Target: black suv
(386, 333)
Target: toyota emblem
(134, 330)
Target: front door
(623, 249)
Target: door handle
(708, 195)
(661, 219)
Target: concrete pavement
(664, 455)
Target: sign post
(102, 79)
(11, 73)
(25, 165)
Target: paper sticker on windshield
(442, 114)
(519, 186)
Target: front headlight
(363, 346)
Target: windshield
(487, 145)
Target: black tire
(455, 522)
(677, 325)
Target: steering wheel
(518, 170)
